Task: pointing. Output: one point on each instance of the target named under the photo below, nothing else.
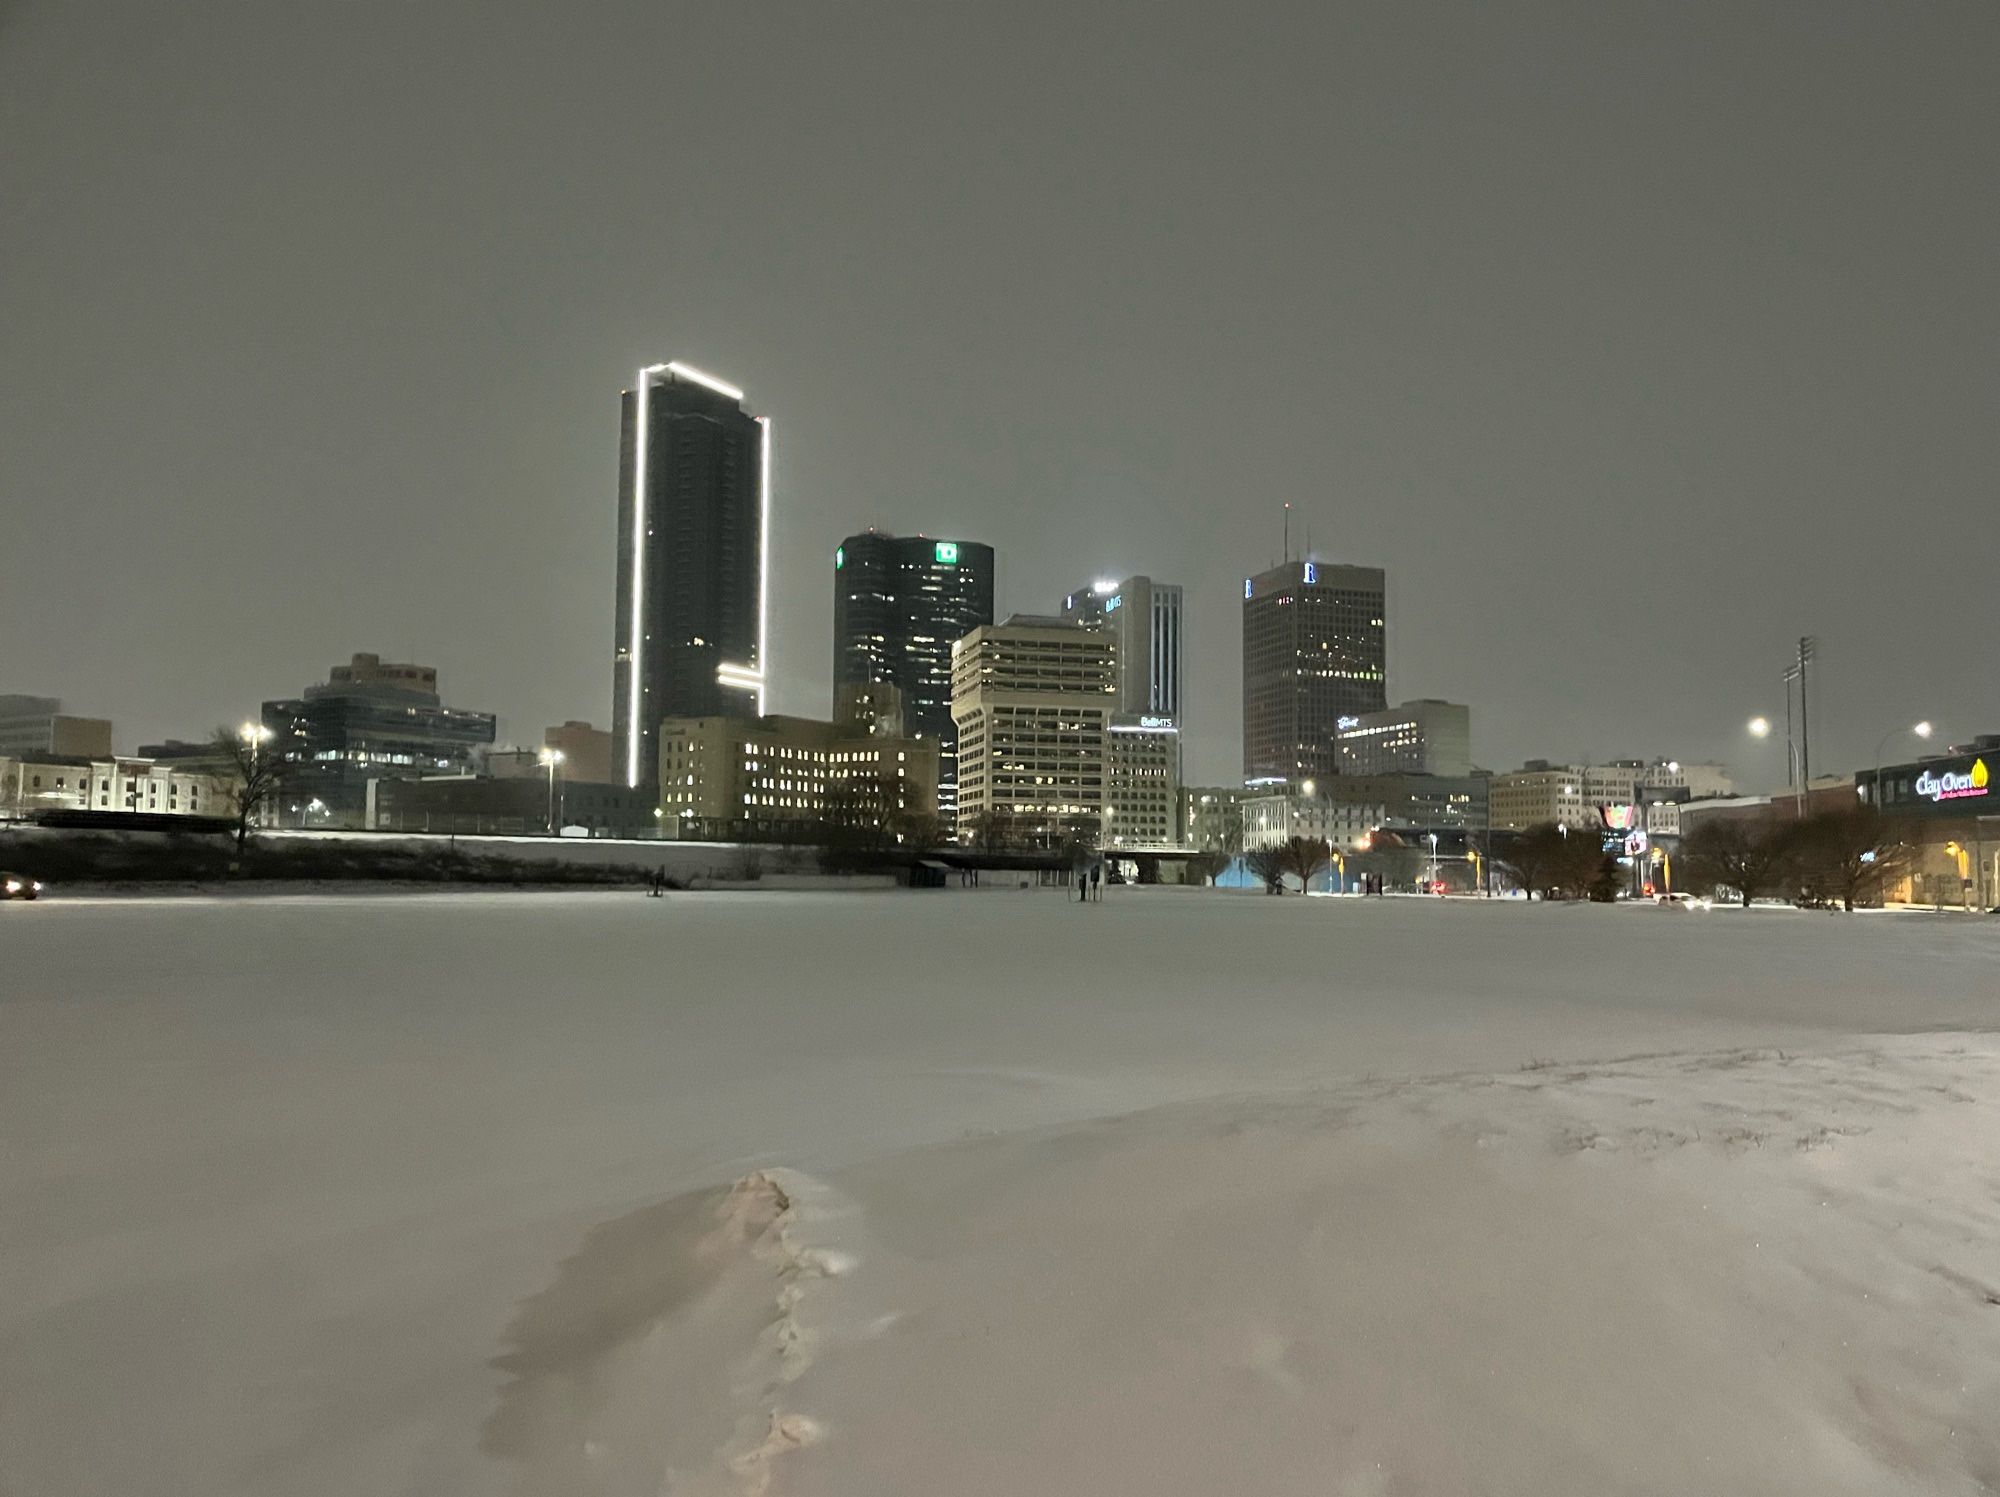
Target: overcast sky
(1634, 340)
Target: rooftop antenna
(1288, 532)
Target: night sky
(1634, 340)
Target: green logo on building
(947, 553)
(839, 557)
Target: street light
(1922, 730)
(1760, 727)
(550, 759)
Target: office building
(370, 719)
(694, 493)
(1144, 617)
(1426, 736)
(899, 604)
(1034, 699)
(1315, 650)
(1417, 802)
(786, 778)
(1142, 784)
(38, 725)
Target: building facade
(1033, 699)
(38, 725)
(1144, 617)
(370, 719)
(694, 495)
(1142, 781)
(786, 778)
(1315, 650)
(524, 805)
(588, 754)
(1274, 819)
(899, 604)
(137, 786)
(1426, 736)
(1212, 818)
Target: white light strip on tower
(688, 371)
(763, 563)
(636, 645)
(738, 675)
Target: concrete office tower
(1426, 736)
(694, 498)
(899, 604)
(1034, 699)
(1315, 650)
(1144, 616)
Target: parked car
(19, 886)
(1679, 901)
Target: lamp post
(1760, 727)
(550, 759)
(255, 736)
(1922, 730)
(1434, 864)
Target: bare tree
(991, 829)
(1846, 855)
(255, 775)
(1533, 856)
(1302, 857)
(1750, 857)
(1268, 864)
(1207, 866)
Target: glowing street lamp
(550, 759)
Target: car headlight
(13, 886)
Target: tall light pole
(1922, 730)
(550, 759)
(1760, 727)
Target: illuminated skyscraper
(694, 498)
(1145, 616)
(1315, 650)
(899, 603)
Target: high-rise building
(1426, 736)
(1142, 781)
(1314, 651)
(1145, 618)
(899, 604)
(694, 494)
(371, 719)
(1034, 699)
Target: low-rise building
(587, 752)
(521, 805)
(1273, 819)
(132, 785)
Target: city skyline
(1629, 397)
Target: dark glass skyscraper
(899, 604)
(1315, 650)
(694, 495)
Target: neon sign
(1952, 785)
(947, 553)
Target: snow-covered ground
(970, 1193)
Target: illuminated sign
(1112, 605)
(1246, 587)
(1951, 785)
(839, 557)
(1344, 723)
(1312, 574)
(1619, 818)
(947, 553)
